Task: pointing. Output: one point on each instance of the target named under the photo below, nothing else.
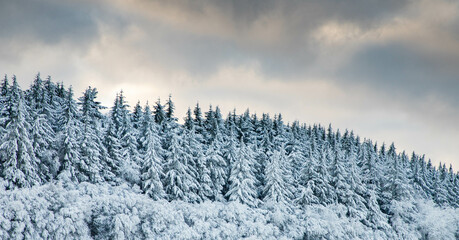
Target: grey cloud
(47, 21)
(210, 33)
(402, 69)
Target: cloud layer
(387, 69)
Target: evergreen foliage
(259, 162)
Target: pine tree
(453, 196)
(189, 122)
(205, 185)
(198, 120)
(4, 94)
(69, 151)
(355, 201)
(19, 165)
(230, 150)
(246, 127)
(43, 142)
(278, 188)
(242, 179)
(180, 180)
(217, 166)
(42, 116)
(400, 188)
(160, 115)
(112, 170)
(197, 164)
(170, 109)
(416, 179)
(93, 152)
(209, 125)
(137, 117)
(440, 195)
(307, 175)
(338, 174)
(130, 167)
(152, 169)
(367, 162)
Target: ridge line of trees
(46, 135)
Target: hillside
(69, 171)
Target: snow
(68, 171)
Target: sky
(386, 69)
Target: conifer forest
(71, 170)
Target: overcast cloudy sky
(388, 69)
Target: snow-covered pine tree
(440, 195)
(319, 175)
(416, 181)
(265, 146)
(93, 152)
(355, 201)
(338, 174)
(219, 120)
(278, 187)
(130, 166)
(4, 90)
(217, 167)
(19, 166)
(180, 180)
(307, 174)
(401, 190)
(170, 110)
(211, 125)
(246, 128)
(198, 120)
(112, 171)
(43, 142)
(197, 163)
(137, 117)
(242, 178)
(159, 114)
(69, 151)
(42, 115)
(188, 120)
(152, 165)
(367, 159)
(53, 101)
(367, 163)
(230, 149)
(453, 196)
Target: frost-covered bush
(88, 211)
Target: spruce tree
(4, 94)
(69, 151)
(277, 175)
(242, 179)
(339, 175)
(112, 169)
(93, 152)
(152, 165)
(137, 116)
(19, 166)
(180, 180)
(130, 167)
(217, 166)
(160, 115)
(198, 120)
